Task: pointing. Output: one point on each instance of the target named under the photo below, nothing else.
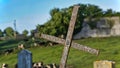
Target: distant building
(20, 36)
(35, 33)
(2, 38)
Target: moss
(110, 22)
(93, 23)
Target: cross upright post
(69, 37)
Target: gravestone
(68, 42)
(25, 59)
(104, 64)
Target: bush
(93, 23)
(110, 22)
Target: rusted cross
(68, 42)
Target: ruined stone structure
(103, 29)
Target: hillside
(109, 50)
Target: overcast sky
(29, 13)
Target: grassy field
(109, 50)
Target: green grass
(109, 50)
(8, 44)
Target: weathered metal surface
(69, 37)
(25, 59)
(73, 44)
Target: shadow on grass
(8, 42)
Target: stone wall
(102, 28)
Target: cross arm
(74, 45)
(53, 38)
(85, 48)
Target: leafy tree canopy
(1, 33)
(59, 22)
(9, 32)
(25, 32)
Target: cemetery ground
(109, 50)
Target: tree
(53, 11)
(92, 10)
(1, 33)
(109, 12)
(117, 14)
(58, 23)
(25, 32)
(9, 32)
